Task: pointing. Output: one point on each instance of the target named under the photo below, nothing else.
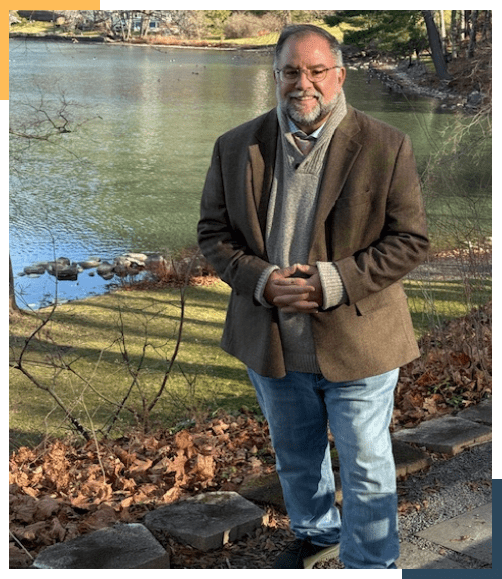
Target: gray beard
(319, 112)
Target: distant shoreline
(105, 40)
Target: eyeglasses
(290, 75)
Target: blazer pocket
(380, 299)
(352, 200)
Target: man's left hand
(289, 303)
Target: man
(313, 238)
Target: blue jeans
(298, 409)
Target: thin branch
(76, 424)
(21, 545)
(167, 373)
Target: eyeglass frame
(306, 71)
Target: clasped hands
(293, 294)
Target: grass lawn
(435, 302)
(86, 335)
(35, 27)
(87, 332)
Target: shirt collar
(294, 129)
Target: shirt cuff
(260, 286)
(333, 289)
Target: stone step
(124, 546)
(207, 521)
(452, 434)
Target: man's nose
(303, 81)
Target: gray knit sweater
(290, 219)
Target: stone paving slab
(413, 557)
(481, 412)
(448, 434)
(207, 521)
(408, 459)
(129, 546)
(469, 534)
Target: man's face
(308, 103)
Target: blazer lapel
(342, 153)
(262, 163)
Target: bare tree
(123, 23)
(72, 18)
(19, 363)
(185, 21)
(146, 16)
(41, 122)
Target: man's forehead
(311, 47)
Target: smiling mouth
(303, 95)
(300, 97)
(304, 100)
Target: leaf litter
(60, 489)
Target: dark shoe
(302, 554)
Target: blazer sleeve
(402, 243)
(224, 233)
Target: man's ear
(341, 75)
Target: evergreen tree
(400, 32)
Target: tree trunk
(435, 45)
(454, 34)
(13, 307)
(443, 32)
(467, 24)
(145, 26)
(462, 24)
(472, 36)
(487, 26)
(125, 24)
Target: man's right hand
(292, 294)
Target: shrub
(272, 22)
(243, 25)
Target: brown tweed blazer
(369, 220)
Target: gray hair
(306, 30)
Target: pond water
(130, 177)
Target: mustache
(303, 93)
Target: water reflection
(262, 85)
